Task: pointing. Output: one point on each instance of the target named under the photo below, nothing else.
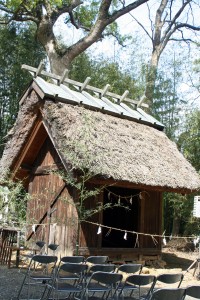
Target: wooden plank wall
(48, 191)
(89, 237)
(151, 219)
(43, 188)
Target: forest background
(150, 48)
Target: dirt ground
(175, 261)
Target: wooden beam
(26, 167)
(26, 148)
(62, 79)
(85, 83)
(50, 208)
(39, 69)
(142, 99)
(44, 169)
(79, 85)
(123, 97)
(105, 90)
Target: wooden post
(48, 228)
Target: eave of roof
(62, 93)
(124, 150)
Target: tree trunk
(151, 78)
(58, 63)
(176, 225)
(59, 59)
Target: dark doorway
(121, 218)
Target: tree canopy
(18, 46)
(95, 19)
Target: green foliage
(29, 4)
(167, 104)
(18, 47)
(189, 140)
(13, 202)
(86, 13)
(103, 72)
(176, 207)
(166, 107)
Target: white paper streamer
(99, 230)
(33, 227)
(125, 235)
(164, 241)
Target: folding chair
(101, 268)
(72, 259)
(193, 291)
(169, 279)
(168, 294)
(127, 270)
(53, 247)
(104, 284)
(69, 279)
(135, 282)
(97, 259)
(40, 244)
(130, 268)
(41, 271)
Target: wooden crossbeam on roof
(125, 94)
(81, 86)
(39, 69)
(85, 83)
(105, 90)
(64, 76)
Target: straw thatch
(116, 148)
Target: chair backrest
(97, 259)
(130, 268)
(102, 268)
(193, 291)
(141, 279)
(44, 259)
(170, 278)
(72, 259)
(53, 247)
(46, 262)
(72, 271)
(166, 294)
(103, 282)
(105, 278)
(41, 245)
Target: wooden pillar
(141, 225)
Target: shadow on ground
(173, 261)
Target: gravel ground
(11, 279)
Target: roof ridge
(83, 85)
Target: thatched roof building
(133, 150)
(62, 124)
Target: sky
(112, 51)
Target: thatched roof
(117, 148)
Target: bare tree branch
(124, 10)
(77, 24)
(182, 40)
(152, 25)
(57, 12)
(142, 26)
(103, 20)
(173, 20)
